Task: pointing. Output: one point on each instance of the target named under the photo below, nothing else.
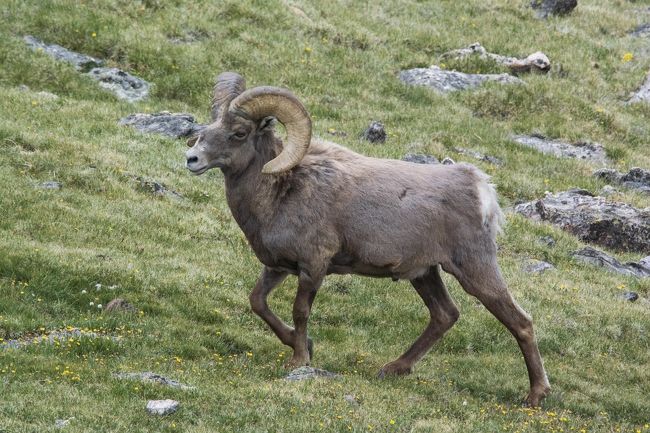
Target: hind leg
(443, 314)
(482, 278)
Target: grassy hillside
(188, 270)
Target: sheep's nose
(192, 159)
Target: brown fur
(341, 212)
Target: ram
(311, 208)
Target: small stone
(545, 8)
(122, 84)
(51, 184)
(375, 132)
(351, 399)
(447, 161)
(451, 81)
(119, 305)
(61, 423)
(420, 158)
(537, 266)
(306, 372)
(337, 133)
(607, 190)
(176, 125)
(478, 155)
(547, 240)
(156, 188)
(162, 407)
(630, 296)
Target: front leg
(308, 285)
(270, 279)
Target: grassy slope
(186, 265)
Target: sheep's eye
(239, 134)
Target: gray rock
(478, 155)
(375, 132)
(537, 266)
(148, 376)
(586, 151)
(162, 407)
(51, 184)
(122, 84)
(61, 423)
(630, 296)
(547, 240)
(637, 178)
(306, 372)
(593, 219)
(156, 188)
(174, 125)
(81, 62)
(535, 62)
(546, 8)
(641, 31)
(643, 94)
(53, 337)
(420, 158)
(607, 190)
(603, 260)
(351, 399)
(451, 81)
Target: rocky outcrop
(122, 84)
(444, 81)
(643, 94)
(593, 219)
(603, 260)
(80, 62)
(582, 150)
(535, 62)
(637, 178)
(546, 8)
(176, 125)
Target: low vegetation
(186, 267)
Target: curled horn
(228, 86)
(261, 102)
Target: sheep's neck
(249, 194)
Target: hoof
(535, 397)
(394, 369)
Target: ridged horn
(228, 86)
(260, 102)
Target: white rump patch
(491, 214)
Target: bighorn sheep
(311, 208)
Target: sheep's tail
(491, 213)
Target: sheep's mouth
(198, 171)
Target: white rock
(162, 407)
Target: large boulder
(614, 225)
(176, 125)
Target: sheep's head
(239, 118)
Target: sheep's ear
(266, 124)
(192, 141)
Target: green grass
(187, 268)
